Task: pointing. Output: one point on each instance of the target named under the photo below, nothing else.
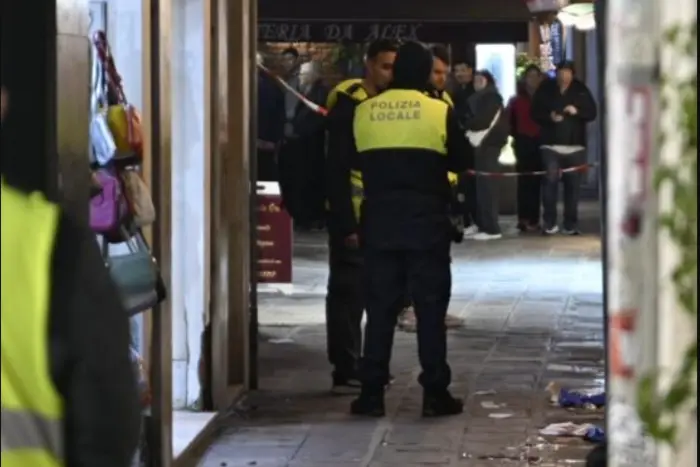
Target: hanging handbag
(135, 275)
(123, 119)
(138, 195)
(104, 148)
(108, 209)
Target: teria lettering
(395, 32)
(284, 32)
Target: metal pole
(253, 207)
(631, 103)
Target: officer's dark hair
(440, 52)
(486, 74)
(381, 46)
(412, 67)
(291, 51)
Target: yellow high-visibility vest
(32, 408)
(401, 119)
(451, 176)
(353, 89)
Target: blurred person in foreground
(487, 129)
(526, 141)
(404, 143)
(69, 390)
(562, 107)
(345, 301)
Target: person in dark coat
(466, 186)
(303, 193)
(526, 141)
(487, 129)
(271, 118)
(562, 107)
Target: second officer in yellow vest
(345, 302)
(404, 144)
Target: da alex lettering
(394, 32)
(284, 32)
(394, 110)
(337, 32)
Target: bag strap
(104, 54)
(98, 96)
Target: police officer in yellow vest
(69, 396)
(404, 144)
(436, 89)
(345, 302)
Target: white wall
(190, 272)
(189, 198)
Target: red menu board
(274, 240)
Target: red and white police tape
(311, 105)
(577, 168)
(323, 111)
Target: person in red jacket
(526, 135)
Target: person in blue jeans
(562, 106)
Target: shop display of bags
(122, 119)
(122, 205)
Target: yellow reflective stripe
(356, 183)
(23, 430)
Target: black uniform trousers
(345, 305)
(388, 274)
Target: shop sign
(334, 32)
(556, 37)
(274, 241)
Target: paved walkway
(533, 314)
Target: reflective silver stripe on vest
(27, 430)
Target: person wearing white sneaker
(487, 131)
(484, 236)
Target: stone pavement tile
(532, 310)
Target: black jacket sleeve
(339, 158)
(90, 359)
(489, 105)
(541, 108)
(585, 104)
(458, 147)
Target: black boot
(440, 404)
(369, 404)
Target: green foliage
(657, 409)
(522, 61)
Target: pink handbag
(107, 209)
